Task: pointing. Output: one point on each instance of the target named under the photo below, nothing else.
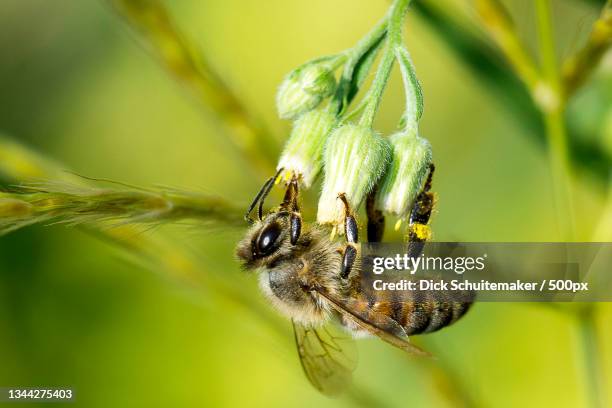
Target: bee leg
(352, 236)
(376, 219)
(350, 224)
(290, 204)
(348, 259)
(418, 229)
(296, 228)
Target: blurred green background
(77, 85)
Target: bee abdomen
(428, 312)
(425, 312)
(416, 312)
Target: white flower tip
(405, 177)
(355, 157)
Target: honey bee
(313, 279)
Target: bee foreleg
(352, 236)
(350, 224)
(296, 227)
(348, 259)
(290, 204)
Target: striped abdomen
(416, 312)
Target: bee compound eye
(267, 239)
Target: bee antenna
(265, 193)
(260, 197)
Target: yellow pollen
(278, 179)
(333, 233)
(398, 224)
(422, 231)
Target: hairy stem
(367, 45)
(374, 96)
(412, 88)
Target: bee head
(271, 237)
(266, 241)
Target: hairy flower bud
(304, 89)
(406, 174)
(354, 159)
(303, 153)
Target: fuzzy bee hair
(288, 272)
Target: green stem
(378, 87)
(396, 16)
(353, 56)
(560, 170)
(548, 96)
(587, 332)
(412, 88)
(547, 43)
(367, 42)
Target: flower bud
(355, 157)
(406, 174)
(304, 89)
(303, 153)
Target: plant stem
(587, 334)
(367, 42)
(394, 30)
(547, 94)
(353, 58)
(577, 68)
(560, 171)
(500, 26)
(547, 43)
(374, 95)
(549, 97)
(396, 18)
(412, 88)
(603, 232)
(484, 63)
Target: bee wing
(328, 357)
(376, 324)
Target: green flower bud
(304, 89)
(355, 157)
(303, 153)
(406, 174)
